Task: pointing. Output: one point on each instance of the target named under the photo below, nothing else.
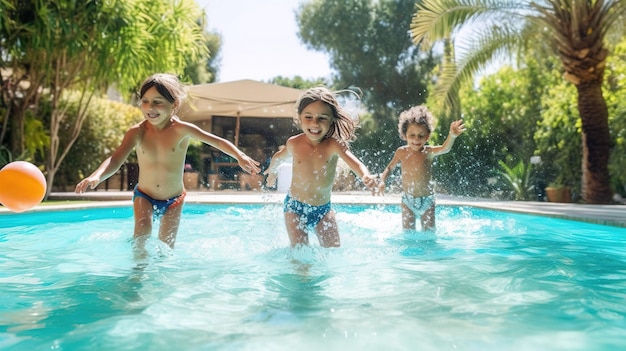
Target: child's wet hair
(168, 85)
(343, 126)
(419, 115)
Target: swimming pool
(485, 280)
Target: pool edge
(611, 215)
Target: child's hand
(87, 183)
(249, 165)
(369, 181)
(457, 128)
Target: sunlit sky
(259, 40)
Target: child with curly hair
(415, 126)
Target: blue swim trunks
(160, 206)
(418, 204)
(309, 215)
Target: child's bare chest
(413, 159)
(159, 144)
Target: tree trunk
(595, 143)
(17, 133)
(50, 173)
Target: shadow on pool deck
(601, 214)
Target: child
(161, 142)
(326, 131)
(415, 126)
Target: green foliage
(558, 137)
(86, 46)
(484, 31)
(205, 69)
(518, 179)
(501, 115)
(370, 49)
(298, 82)
(489, 30)
(376, 143)
(37, 140)
(6, 156)
(152, 36)
(102, 133)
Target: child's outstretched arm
(456, 128)
(357, 166)
(383, 176)
(245, 162)
(109, 166)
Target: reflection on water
(421, 244)
(40, 313)
(482, 281)
(298, 297)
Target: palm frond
(518, 178)
(436, 19)
(616, 9)
(487, 46)
(480, 28)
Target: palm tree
(492, 29)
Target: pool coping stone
(613, 215)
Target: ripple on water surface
(483, 280)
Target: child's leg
(296, 234)
(428, 218)
(327, 231)
(169, 225)
(143, 225)
(408, 218)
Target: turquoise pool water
(485, 280)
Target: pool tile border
(613, 215)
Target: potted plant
(565, 183)
(558, 192)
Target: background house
(257, 117)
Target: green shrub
(101, 133)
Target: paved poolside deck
(614, 215)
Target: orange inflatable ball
(22, 186)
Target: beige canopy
(241, 98)
(262, 113)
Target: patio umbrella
(239, 99)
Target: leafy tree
(558, 137)
(54, 46)
(298, 82)
(98, 137)
(370, 49)
(205, 70)
(493, 29)
(501, 113)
